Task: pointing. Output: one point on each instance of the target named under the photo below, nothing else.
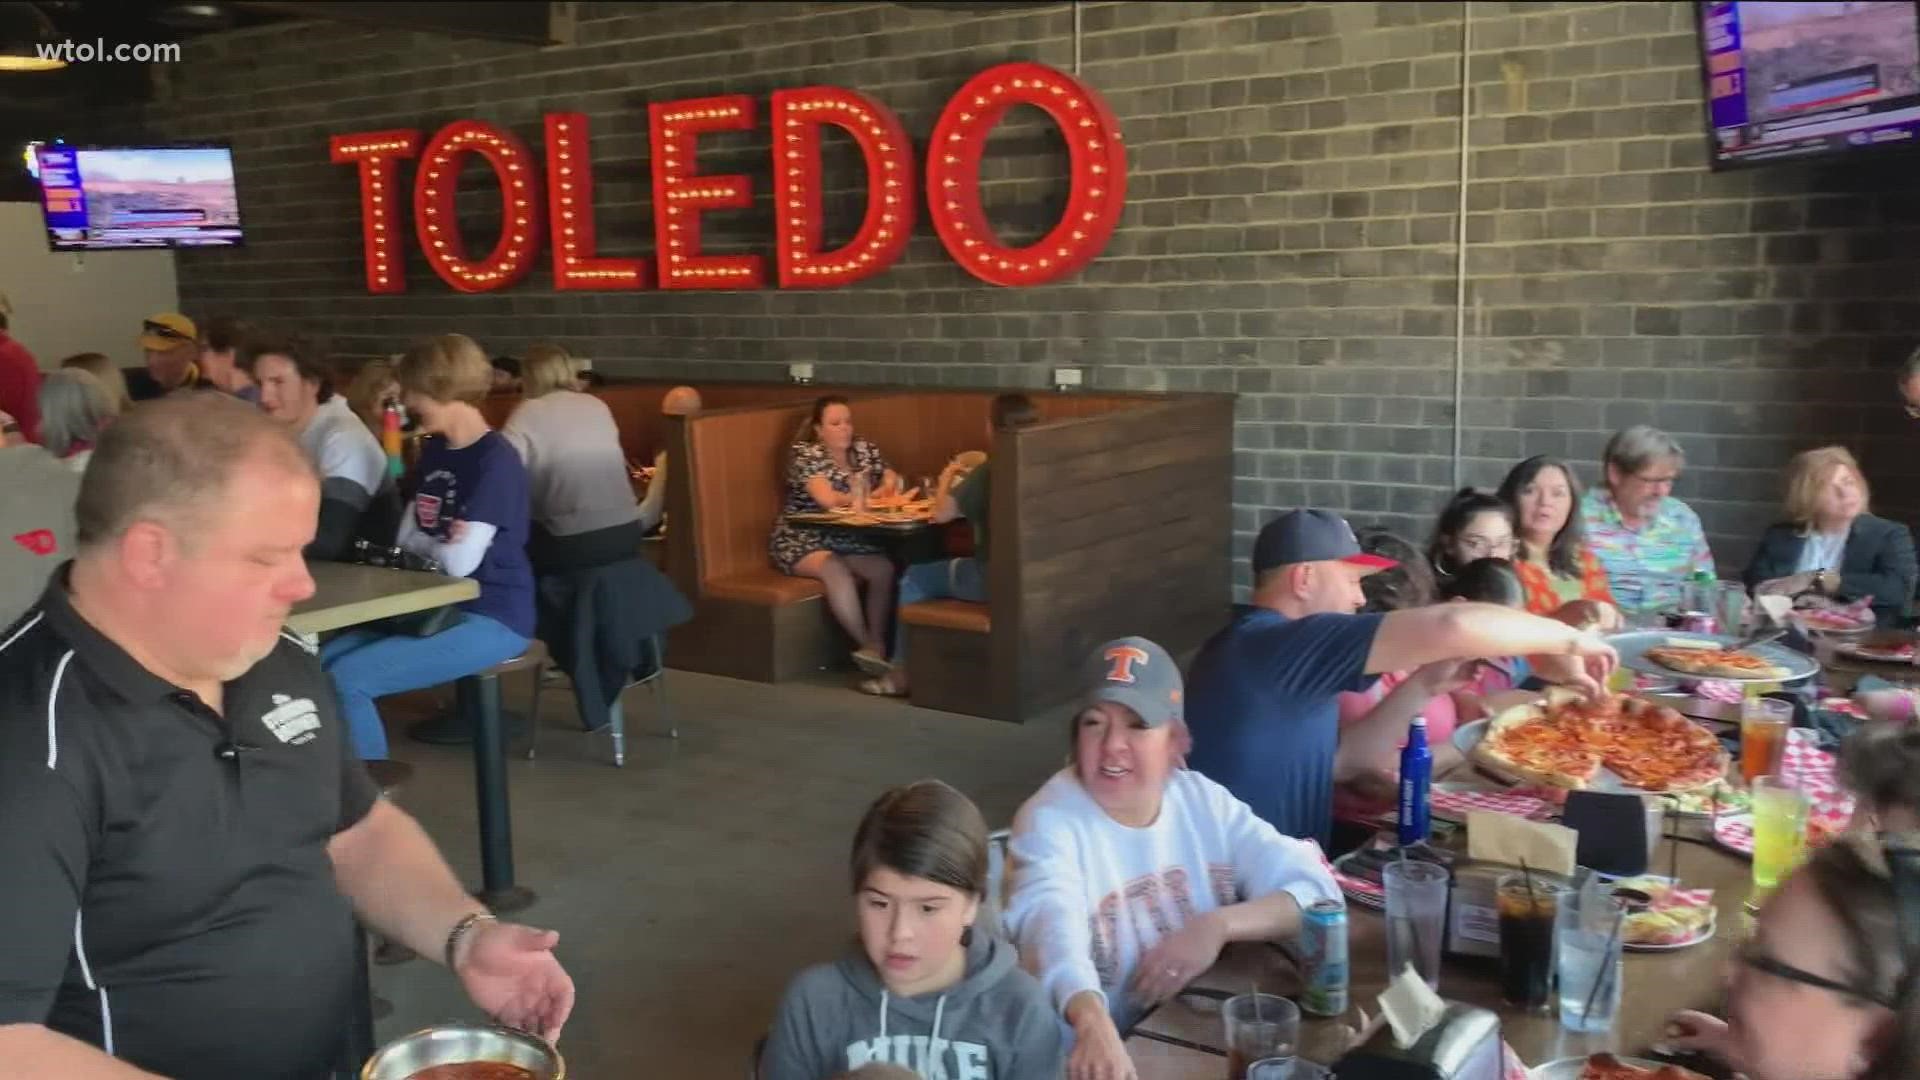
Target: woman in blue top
(469, 513)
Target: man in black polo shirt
(184, 835)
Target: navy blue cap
(1303, 536)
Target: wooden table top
(1656, 984)
(831, 520)
(348, 594)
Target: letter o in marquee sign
(1097, 171)
(438, 226)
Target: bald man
(185, 830)
(680, 401)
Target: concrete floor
(689, 886)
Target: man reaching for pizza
(1261, 694)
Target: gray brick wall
(1289, 233)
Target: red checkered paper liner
(1812, 770)
(1455, 804)
(1371, 893)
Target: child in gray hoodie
(920, 989)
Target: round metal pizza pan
(1468, 736)
(1633, 647)
(1571, 1068)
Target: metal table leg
(479, 697)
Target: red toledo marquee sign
(681, 194)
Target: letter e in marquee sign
(1097, 176)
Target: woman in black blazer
(1830, 543)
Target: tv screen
(105, 198)
(1809, 78)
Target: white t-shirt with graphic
(1088, 896)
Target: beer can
(1324, 934)
(1693, 622)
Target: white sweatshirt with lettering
(1088, 896)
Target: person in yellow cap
(172, 346)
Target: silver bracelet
(461, 929)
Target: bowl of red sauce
(466, 1052)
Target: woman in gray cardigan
(1830, 543)
(584, 512)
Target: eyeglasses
(1750, 955)
(1482, 546)
(1657, 481)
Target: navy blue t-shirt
(486, 482)
(1260, 704)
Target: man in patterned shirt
(1649, 542)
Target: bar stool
(616, 716)
(477, 700)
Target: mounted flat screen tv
(102, 198)
(1794, 79)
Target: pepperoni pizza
(1567, 740)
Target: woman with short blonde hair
(469, 514)
(585, 514)
(101, 367)
(547, 368)
(1831, 544)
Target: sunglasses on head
(163, 330)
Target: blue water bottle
(1416, 773)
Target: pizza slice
(1716, 663)
(1528, 744)
(1608, 1067)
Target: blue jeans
(366, 665)
(955, 579)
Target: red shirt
(20, 386)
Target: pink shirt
(1441, 716)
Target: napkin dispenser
(1473, 917)
(1464, 1045)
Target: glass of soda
(1259, 1027)
(1527, 911)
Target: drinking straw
(1673, 844)
(1533, 899)
(1606, 969)
(1413, 927)
(1255, 984)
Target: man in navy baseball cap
(1262, 692)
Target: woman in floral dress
(822, 465)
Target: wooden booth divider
(1110, 517)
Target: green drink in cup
(1779, 831)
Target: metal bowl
(464, 1044)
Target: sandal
(882, 687)
(871, 662)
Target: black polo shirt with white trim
(165, 889)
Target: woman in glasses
(1473, 525)
(1825, 989)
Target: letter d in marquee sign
(682, 194)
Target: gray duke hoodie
(996, 1024)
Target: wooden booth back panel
(1124, 526)
(736, 481)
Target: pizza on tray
(1565, 741)
(1716, 662)
(1608, 1067)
